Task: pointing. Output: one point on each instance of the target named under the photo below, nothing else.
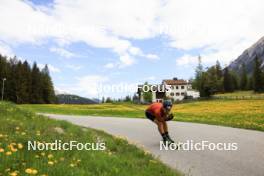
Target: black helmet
(167, 104)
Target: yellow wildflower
(13, 173)
(20, 146)
(12, 148)
(51, 163)
(34, 171)
(1, 150)
(8, 153)
(29, 171)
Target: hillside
(74, 99)
(20, 126)
(248, 57)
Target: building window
(182, 87)
(172, 94)
(177, 94)
(182, 93)
(177, 87)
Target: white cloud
(62, 52)
(202, 24)
(225, 27)
(186, 60)
(87, 86)
(74, 67)
(5, 50)
(125, 60)
(152, 56)
(109, 65)
(52, 68)
(138, 52)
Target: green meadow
(248, 114)
(19, 126)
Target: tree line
(25, 84)
(217, 80)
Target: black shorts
(149, 116)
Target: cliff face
(248, 57)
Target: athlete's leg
(160, 126)
(165, 126)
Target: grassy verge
(241, 95)
(247, 114)
(107, 109)
(19, 126)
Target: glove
(169, 117)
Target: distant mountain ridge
(248, 57)
(74, 99)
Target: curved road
(247, 160)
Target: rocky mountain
(74, 99)
(248, 57)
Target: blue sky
(92, 43)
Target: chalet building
(173, 89)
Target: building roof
(174, 82)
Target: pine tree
(218, 70)
(27, 78)
(244, 78)
(257, 76)
(48, 94)
(228, 81)
(250, 83)
(36, 91)
(108, 100)
(10, 86)
(198, 74)
(25, 85)
(3, 70)
(21, 84)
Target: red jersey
(156, 109)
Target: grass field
(247, 114)
(241, 94)
(19, 126)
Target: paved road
(248, 160)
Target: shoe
(169, 139)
